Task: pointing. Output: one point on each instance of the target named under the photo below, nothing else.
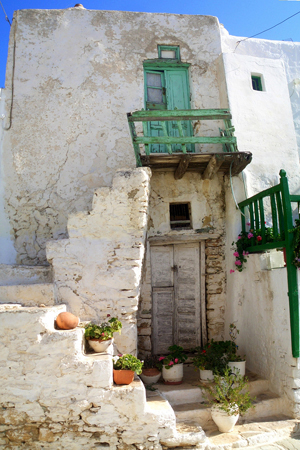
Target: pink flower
(108, 315)
(238, 263)
(236, 254)
(171, 363)
(231, 271)
(176, 360)
(250, 235)
(248, 223)
(259, 238)
(239, 237)
(161, 358)
(103, 334)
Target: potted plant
(172, 365)
(100, 337)
(124, 367)
(211, 359)
(236, 363)
(230, 397)
(150, 372)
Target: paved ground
(285, 444)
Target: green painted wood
(274, 215)
(180, 130)
(165, 131)
(281, 205)
(243, 219)
(280, 212)
(185, 140)
(291, 269)
(167, 63)
(256, 214)
(262, 194)
(262, 220)
(145, 131)
(252, 223)
(190, 114)
(135, 145)
(267, 246)
(295, 198)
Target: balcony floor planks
(198, 161)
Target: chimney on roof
(79, 6)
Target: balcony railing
(270, 216)
(177, 134)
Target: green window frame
(256, 83)
(170, 48)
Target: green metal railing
(169, 138)
(278, 200)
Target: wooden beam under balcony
(206, 164)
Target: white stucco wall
(286, 52)
(257, 300)
(7, 250)
(77, 73)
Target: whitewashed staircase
(267, 422)
(26, 285)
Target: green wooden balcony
(165, 141)
(269, 215)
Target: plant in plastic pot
(229, 396)
(100, 337)
(172, 365)
(124, 367)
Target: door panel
(163, 325)
(176, 296)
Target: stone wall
(207, 202)
(69, 130)
(98, 270)
(54, 396)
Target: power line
(261, 32)
(6, 18)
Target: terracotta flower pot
(123, 376)
(67, 321)
(150, 376)
(100, 346)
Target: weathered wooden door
(175, 296)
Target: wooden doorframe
(173, 240)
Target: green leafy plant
(230, 392)
(128, 362)
(176, 356)
(213, 356)
(151, 362)
(104, 331)
(250, 238)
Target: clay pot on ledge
(150, 376)
(66, 321)
(123, 376)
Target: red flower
(259, 238)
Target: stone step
(18, 274)
(251, 435)
(28, 294)
(190, 390)
(266, 404)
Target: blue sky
(240, 17)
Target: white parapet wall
(98, 269)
